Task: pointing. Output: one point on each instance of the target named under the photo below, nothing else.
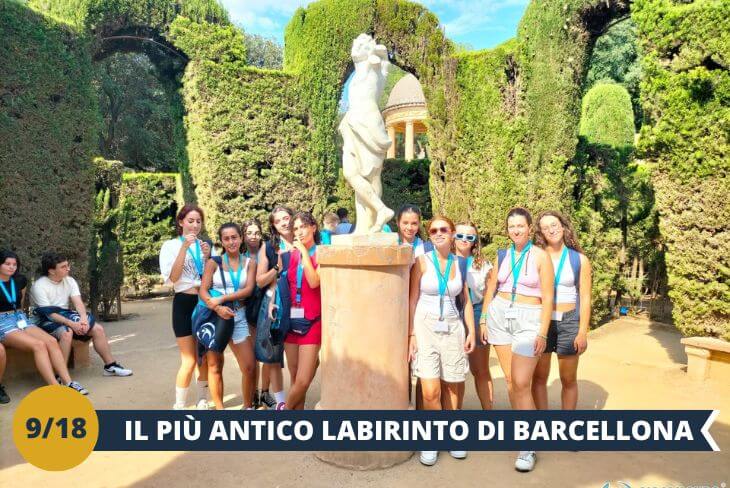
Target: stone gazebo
(405, 112)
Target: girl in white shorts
(438, 340)
(517, 308)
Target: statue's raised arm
(365, 139)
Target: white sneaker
(458, 454)
(525, 461)
(77, 386)
(203, 404)
(428, 458)
(116, 369)
(178, 406)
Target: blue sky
(478, 23)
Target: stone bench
(707, 358)
(21, 363)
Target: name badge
(441, 326)
(510, 313)
(557, 316)
(297, 313)
(22, 324)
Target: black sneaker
(268, 399)
(4, 398)
(256, 399)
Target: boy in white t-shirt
(56, 299)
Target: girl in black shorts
(568, 333)
(182, 261)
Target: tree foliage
(263, 52)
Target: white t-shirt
(47, 293)
(475, 280)
(189, 278)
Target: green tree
(263, 52)
(616, 57)
(141, 125)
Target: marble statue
(366, 141)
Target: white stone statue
(366, 141)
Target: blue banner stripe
(397, 430)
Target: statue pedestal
(364, 283)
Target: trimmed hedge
(685, 95)
(147, 208)
(407, 182)
(105, 260)
(48, 127)
(247, 130)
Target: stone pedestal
(364, 282)
(707, 357)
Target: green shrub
(685, 94)
(48, 126)
(147, 210)
(105, 264)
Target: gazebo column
(391, 136)
(409, 140)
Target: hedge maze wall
(503, 129)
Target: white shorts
(520, 332)
(240, 326)
(440, 354)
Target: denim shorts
(9, 323)
(562, 334)
(240, 327)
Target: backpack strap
(270, 253)
(501, 254)
(574, 258)
(219, 261)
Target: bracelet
(542, 336)
(483, 315)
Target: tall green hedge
(48, 125)
(247, 129)
(147, 208)
(105, 258)
(686, 99)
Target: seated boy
(52, 296)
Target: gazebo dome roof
(406, 92)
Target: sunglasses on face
(436, 230)
(466, 237)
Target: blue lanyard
(517, 267)
(11, 297)
(560, 267)
(300, 275)
(469, 262)
(235, 278)
(282, 244)
(442, 278)
(197, 257)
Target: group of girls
(536, 301)
(223, 283)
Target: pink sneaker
(281, 406)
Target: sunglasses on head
(466, 237)
(435, 230)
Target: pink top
(528, 283)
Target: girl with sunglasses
(438, 340)
(568, 333)
(466, 243)
(516, 314)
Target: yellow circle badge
(55, 428)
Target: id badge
(22, 324)
(557, 316)
(297, 313)
(441, 326)
(510, 313)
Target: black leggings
(183, 305)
